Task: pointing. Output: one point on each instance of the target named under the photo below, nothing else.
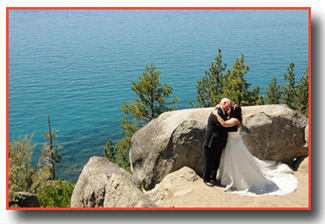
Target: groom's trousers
(211, 162)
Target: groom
(214, 142)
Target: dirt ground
(197, 194)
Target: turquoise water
(77, 65)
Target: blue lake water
(77, 65)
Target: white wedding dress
(242, 173)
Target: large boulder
(167, 143)
(175, 139)
(104, 184)
(26, 199)
(275, 132)
(177, 184)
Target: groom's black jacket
(215, 135)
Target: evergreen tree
(216, 85)
(151, 102)
(152, 96)
(210, 88)
(302, 94)
(273, 93)
(236, 87)
(255, 98)
(288, 91)
(294, 94)
(110, 151)
(51, 150)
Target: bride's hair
(236, 112)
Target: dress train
(242, 173)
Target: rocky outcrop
(175, 139)
(167, 143)
(104, 184)
(25, 200)
(275, 132)
(176, 184)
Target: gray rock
(104, 184)
(176, 184)
(186, 145)
(167, 143)
(26, 199)
(275, 132)
(175, 139)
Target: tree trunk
(51, 149)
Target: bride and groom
(228, 162)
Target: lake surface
(77, 65)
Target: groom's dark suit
(215, 140)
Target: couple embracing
(228, 162)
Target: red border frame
(153, 8)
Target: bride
(240, 172)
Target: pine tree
(288, 91)
(235, 86)
(129, 127)
(302, 94)
(151, 102)
(255, 98)
(151, 94)
(51, 150)
(110, 151)
(210, 87)
(216, 85)
(273, 93)
(294, 94)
